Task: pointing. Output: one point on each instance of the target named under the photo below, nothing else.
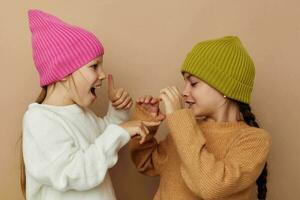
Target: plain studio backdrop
(145, 43)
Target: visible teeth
(189, 104)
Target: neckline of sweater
(73, 108)
(223, 125)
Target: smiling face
(203, 99)
(84, 81)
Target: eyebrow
(187, 77)
(97, 62)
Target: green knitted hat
(225, 65)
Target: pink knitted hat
(58, 48)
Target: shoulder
(256, 132)
(37, 116)
(35, 112)
(254, 135)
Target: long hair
(40, 99)
(250, 119)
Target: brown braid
(261, 182)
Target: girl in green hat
(215, 148)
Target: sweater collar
(222, 126)
(73, 108)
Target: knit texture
(58, 48)
(68, 151)
(225, 65)
(206, 160)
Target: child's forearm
(114, 116)
(148, 157)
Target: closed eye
(193, 84)
(94, 66)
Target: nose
(185, 92)
(101, 76)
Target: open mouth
(93, 91)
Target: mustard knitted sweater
(206, 160)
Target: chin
(198, 112)
(195, 111)
(90, 103)
(85, 103)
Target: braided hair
(250, 119)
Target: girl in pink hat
(67, 149)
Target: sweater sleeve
(53, 158)
(150, 156)
(113, 116)
(207, 176)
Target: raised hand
(138, 128)
(172, 99)
(119, 97)
(151, 104)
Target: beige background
(145, 43)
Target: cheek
(94, 77)
(197, 96)
(206, 100)
(79, 89)
(200, 96)
(89, 81)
